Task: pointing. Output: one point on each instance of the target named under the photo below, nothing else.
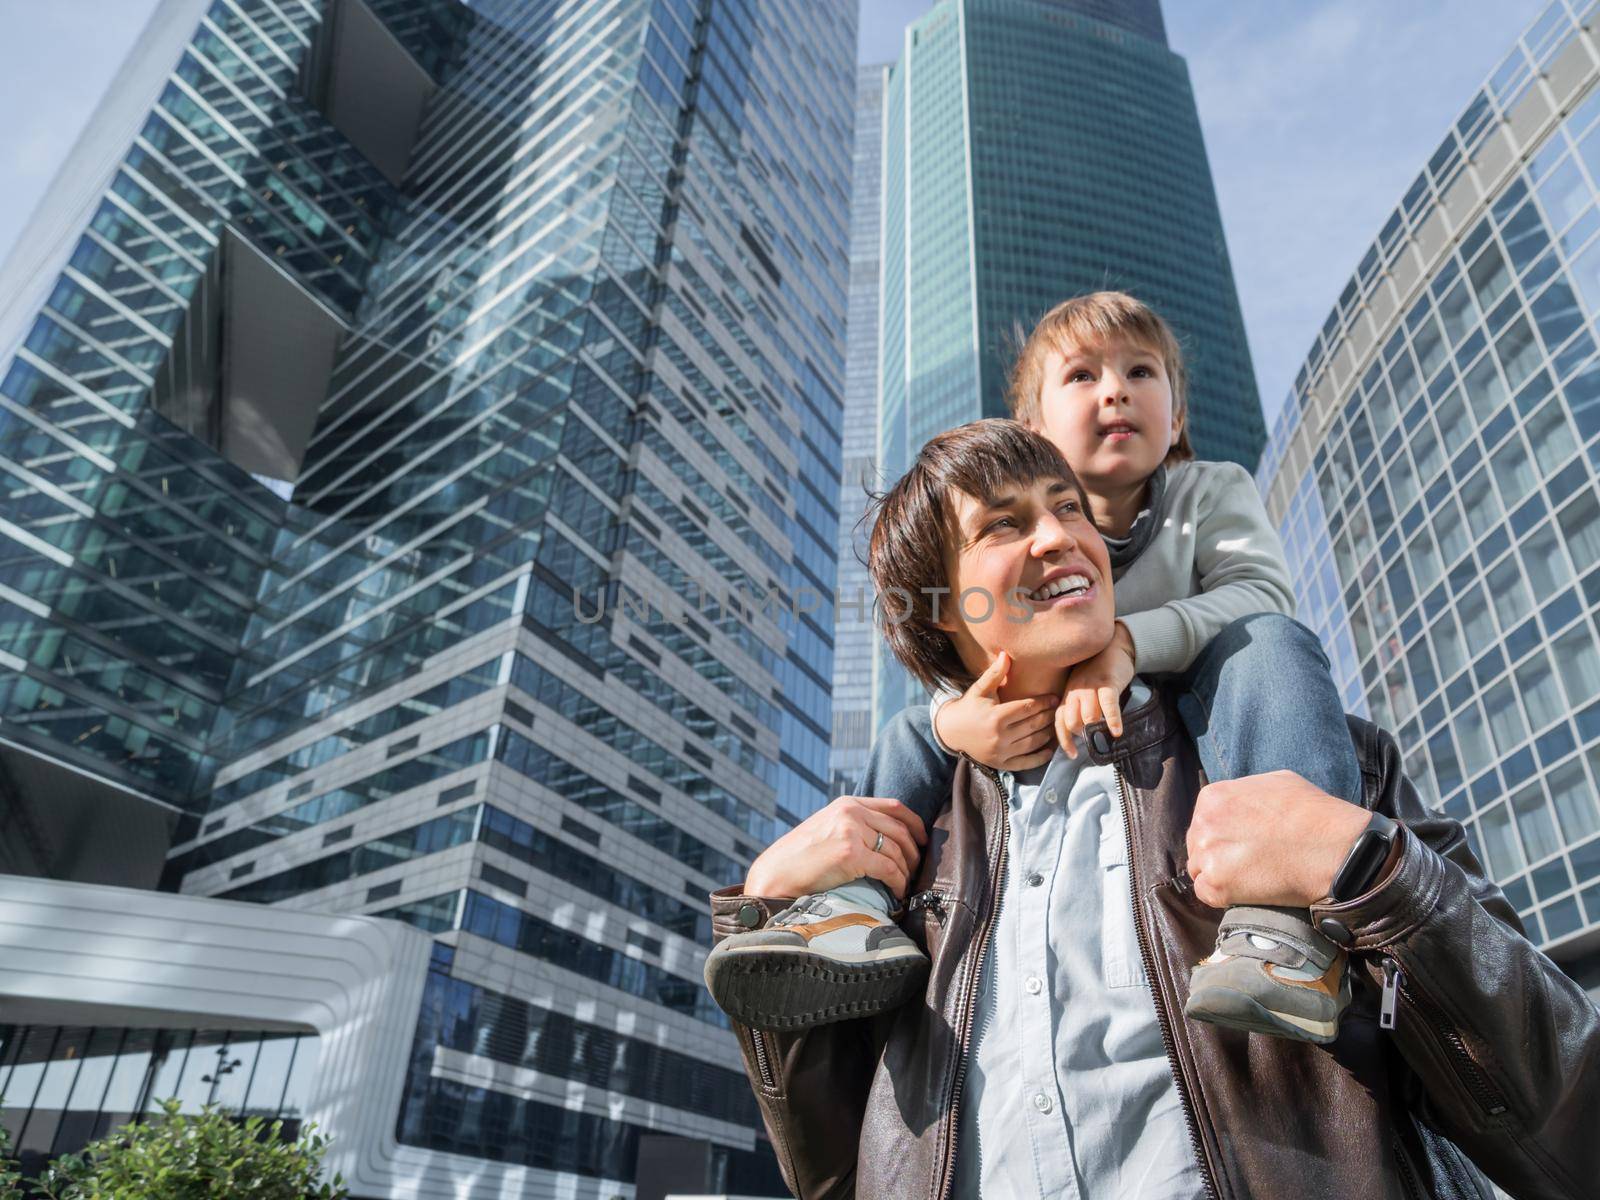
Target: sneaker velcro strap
(842, 921)
(1298, 944)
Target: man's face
(1109, 410)
(1035, 552)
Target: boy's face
(1035, 551)
(1109, 410)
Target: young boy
(1201, 593)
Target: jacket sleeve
(810, 1086)
(1505, 1047)
(1240, 566)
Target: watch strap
(1366, 858)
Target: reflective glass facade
(1022, 139)
(853, 639)
(533, 646)
(1434, 475)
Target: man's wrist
(1368, 858)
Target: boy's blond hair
(1094, 320)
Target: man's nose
(1051, 535)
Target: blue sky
(1317, 115)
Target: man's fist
(1269, 839)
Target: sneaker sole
(1235, 1010)
(782, 989)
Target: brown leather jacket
(1494, 1053)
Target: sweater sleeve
(1241, 568)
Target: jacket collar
(1143, 730)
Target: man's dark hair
(915, 530)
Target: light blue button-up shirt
(1068, 1090)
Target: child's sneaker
(827, 957)
(1271, 973)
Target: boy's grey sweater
(1214, 558)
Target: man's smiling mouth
(1067, 585)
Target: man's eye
(1070, 507)
(1000, 524)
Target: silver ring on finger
(878, 845)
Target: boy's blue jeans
(1259, 698)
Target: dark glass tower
(1035, 150)
(422, 487)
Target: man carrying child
(1022, 1030)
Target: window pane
(1475, 619)
(302, 1077)
(1533, 821)
(1473, 740)
(1545, 563)
(1580, 664)
(1514, 472)
(171, 1049)
(1551, 436)
(1499, 846)
(271, 1076)
(1539, 691)
(127, 1079)
(1580, 525)
(1504, 718)
(1574, 801)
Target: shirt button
(1049, 795)
(1042, 1103)
(1034, 879)
(1034, 984)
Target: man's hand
(1094, 691)
(1010, 736)
(835, 845)
(1269, 839)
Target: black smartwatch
(1365, 860)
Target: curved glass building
(1433, 473)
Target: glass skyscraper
(1036, 150)
(421, 495)
(854, 637)
(1434, 475)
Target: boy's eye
(1079, 376)
(1139, 371)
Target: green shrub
(200, 1156)
(10, 1178)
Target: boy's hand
(1094, 691)
(1010, 736)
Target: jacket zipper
(1163, 1017)
(996, 876)
(758, 1042)
(1486, 1095)
(1408, 1178)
